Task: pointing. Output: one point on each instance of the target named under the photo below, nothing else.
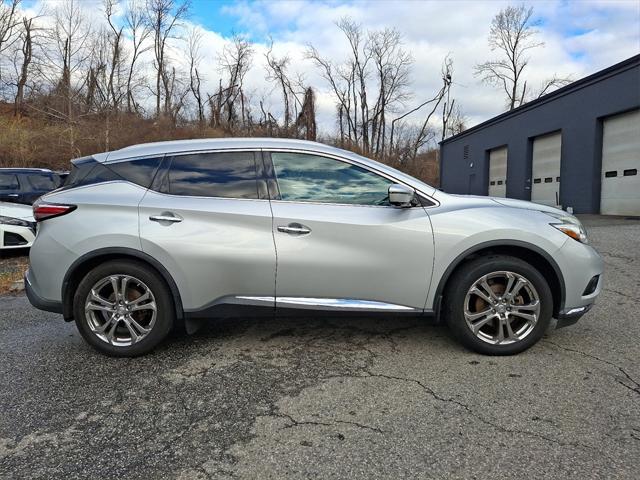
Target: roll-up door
(620, 193)
(545, 169)
(498, 172)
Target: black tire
(464, 278)
(165, 312)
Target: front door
(340, 244)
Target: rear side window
(9, 181)
(224, 174)
(42, 181)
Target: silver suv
(152, 237)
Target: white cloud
(580, 38)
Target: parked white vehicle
(17, 226)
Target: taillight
(43, 210)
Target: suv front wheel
(123, 308)
(498, 305)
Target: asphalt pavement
(339, 398)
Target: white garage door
(621, 165)
(498, 172)
(545, 169)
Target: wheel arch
(532, 254)
(86, 262)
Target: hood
(481, 200)
(16, 210)
(513, 203)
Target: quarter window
(224, 174)
(140, 171)
(312, 178)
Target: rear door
(206, 222)
(340, 244)
(9, 187)
(35, 185)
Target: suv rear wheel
(123, 308)
(498, 305)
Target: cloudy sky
(580, 38)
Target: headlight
(569, 225)
(14, 221)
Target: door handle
(294, 229)
(165, 218)
(13, 195)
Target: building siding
(576, 110)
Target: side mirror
(400, 195)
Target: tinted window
(98, 174)
(310, 178)
(140, 172)
(8, 181)
(42, 182)
(79, 169)
(229, 174)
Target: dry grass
(35, 141)
(12, 268)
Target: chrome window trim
(208, 198)
(182, 152)
(132, 159)
(373, 170)
(357, 164)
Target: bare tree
(137, 26)
(277, 72)
(392, 69)
(457, 122)
(67, 59)
(369, 84)
(195, 58)
(341, 88)
(307, 118)
(235, 62)
(26, 39)
(164, 18)
(115, 67)
(9, 20)
(512, 35)
(424, 133)
(449, 103)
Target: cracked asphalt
(338, 398)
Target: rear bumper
(39, 302)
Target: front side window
(224, 174)
(9, 181)
(313, 178)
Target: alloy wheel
(502, 308)
(120, 310)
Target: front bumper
(15, 236)
(572, 315)
(37, 301)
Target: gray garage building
(577, 147)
